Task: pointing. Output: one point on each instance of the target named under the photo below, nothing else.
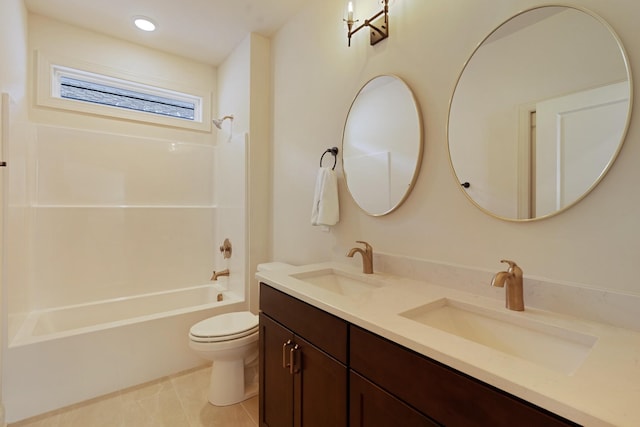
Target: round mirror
(382, 145)
(539, 112)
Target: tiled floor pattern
(176, 401)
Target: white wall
(259, 167)
(315, 78)
(230, 168)
(13, 49)
(13, 80)
(244, 86)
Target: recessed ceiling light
(144, 23)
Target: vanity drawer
(324, 330)
(444, 394)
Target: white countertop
(603, 391)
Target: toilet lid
(226, 325)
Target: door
(578, 136)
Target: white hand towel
(325, 200)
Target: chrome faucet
(367, 256)
(217, 274)
(512, 278)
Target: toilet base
(233, 382)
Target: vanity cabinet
(303, 364)
(317, 370)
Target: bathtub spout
(217, 274)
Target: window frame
(48, 94)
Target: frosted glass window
(103, 90)
(122, 98)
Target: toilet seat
(225, 327)
(233, 337)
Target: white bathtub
(69, 354)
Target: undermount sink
(339, 282)
(546, 345)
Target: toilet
(230, 341)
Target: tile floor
(176, 401)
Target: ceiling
(204, 30)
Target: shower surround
(114, 220)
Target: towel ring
(334, 153)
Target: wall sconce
(378, 23)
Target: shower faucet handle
(226, 249)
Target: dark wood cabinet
(302, 383)
(317, 370)
(449, 397)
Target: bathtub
(69, 354)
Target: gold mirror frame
(377, 117)
(461, 180)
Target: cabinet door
(276, 382)
(310, 393)
(320, 386)
(370, 406)
(448, 396)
